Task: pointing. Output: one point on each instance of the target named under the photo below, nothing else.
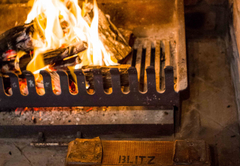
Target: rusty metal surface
(84, 152)
(192, 153)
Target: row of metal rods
(156, 55)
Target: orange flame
(59, 22)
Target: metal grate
(151, 83)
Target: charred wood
(61, 56)
(17, 38)
(56, 57)
(112, 39)
(106, 75)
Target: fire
(59, 23)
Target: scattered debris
(90, 109)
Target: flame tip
(59, 23)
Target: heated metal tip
(145, 44)
(137, 44)
(153, 44)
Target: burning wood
(58, 34)
(113, 40)
(107, 81)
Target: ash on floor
(85, 115)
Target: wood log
(17, 38)
(20, 39)
(12, 41)
(106, 75)
(112, 39)
(59, 57)
(128, 36)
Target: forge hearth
(156, 76)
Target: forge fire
(74, 55)
(61, 35)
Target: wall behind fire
(14, 13)
(205, 17)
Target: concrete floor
(209, 114)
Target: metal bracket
(117, 98)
